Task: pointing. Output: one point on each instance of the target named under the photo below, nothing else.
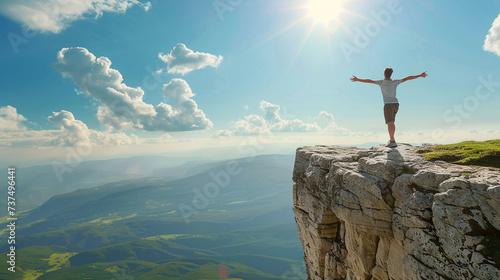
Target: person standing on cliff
(391, 103)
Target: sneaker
(391, 144)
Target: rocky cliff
(385, 213)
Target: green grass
(141, 249)
(485, 153)
(34, 261)
(408, 170)
(492, 248)
(176, 270)
(59, 260)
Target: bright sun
(324, 10)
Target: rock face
(384, 213)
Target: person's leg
(390, 111)
(392, 129)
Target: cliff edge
(384, 213)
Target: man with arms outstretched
(391, 103)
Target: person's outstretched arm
(423, 75)
(368, 81)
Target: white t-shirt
(388, 88)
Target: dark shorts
(390, 111)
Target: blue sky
(235, 70)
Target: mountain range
(197, 220)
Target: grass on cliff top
(485, 153)
(492, 248)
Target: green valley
(136, 229)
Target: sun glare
(324, 11)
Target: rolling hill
(233, 214)
(41, 182)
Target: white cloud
(166, 139)
(250, 125)
(29, 138)
(10, 120)
(74, 132)
(121, 106)
(331, 127)
(182, 60)
(276, 124)
(271, 121)
(55, 15)
(492, 41)
(271, 112)
(147, 6)
(223, 133)
(163, 139)
(71, 132)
